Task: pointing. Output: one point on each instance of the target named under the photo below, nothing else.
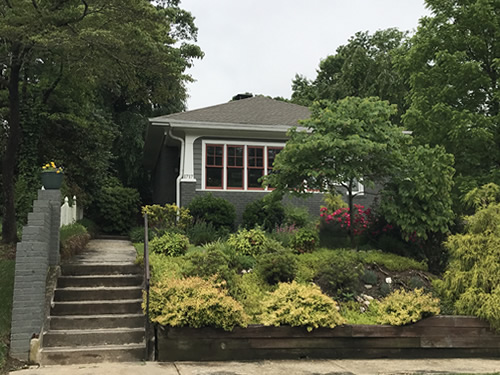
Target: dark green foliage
(385, 289)
(208, 263)
(73, 238)
(171, 244)
(136, 234)
(369, 277)
(277, 267)
(91, 227)
(305, 240)
(296, 216)
(266, 213)
(217, 211)
(201, 233)
(116, 208)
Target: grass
(7, 288)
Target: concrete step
(94, 354)
(97, 321)
(97, 293)
(75, 269)
(95, 337)
(98, 307)
(99, 280)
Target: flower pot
(52, 180)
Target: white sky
(258, 46)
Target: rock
(368, 286)
(388, 280)
(366, 303)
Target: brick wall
(37, 251)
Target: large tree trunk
(9, 227)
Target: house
(223, 149)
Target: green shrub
(217, 211)
(283, 234)
(208, 263)
(163, 267)
(266, 213)
(248, 242)
(304, 240)
(356, 313)
(334, 201)
(116, 208)
(300, 305)
(73, 239)
(297, 216)
(471, 283)
(402, 307)
(392, 262)
(201, 233)
(194, 302)
(91, 226)
(250, 290)
(136, 234)
(369, 277)
(167, 218)
(172, 244)
(277, 267)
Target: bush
(202, 233)
(168, 217)
(250, 290)
(116, 208)
(304, 240)
(171, 244)
(136, 234)
(73, 239)
(369, 277)
(401, 307)
(277, 267)
(300, 305)
(266, 213)
(217, 211)
(91, 227)
(471, 283)
(194, 302)
(296, 216)
(248, 242)
(208, 263)
(283, 234)
(392, 262)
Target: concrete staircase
(96, 315)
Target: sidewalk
(298, 367)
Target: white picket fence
(70, 214)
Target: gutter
(181, 169)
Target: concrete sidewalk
(298, 367)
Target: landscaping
(7, 266)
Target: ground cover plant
(7, 266)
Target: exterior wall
(165, 175)
(38, 250)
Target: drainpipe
(181, 169)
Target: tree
(453, 67)
(133, 50)
(345, 142)
(363, 67)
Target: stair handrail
(146, 279)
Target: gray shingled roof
(258, 110)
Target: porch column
(188, 173)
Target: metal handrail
(146, 279)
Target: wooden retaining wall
(436, 337)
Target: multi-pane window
(214, 166)
(237, 167)
(255, 166)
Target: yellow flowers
(51, 167)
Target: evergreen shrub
(171, 244)
(194, 302)
(277, 267)
(73, 238)
(305, 240)
(251, 242)
(266, 213)
(300, 305)
(217, 211)
(402, 307)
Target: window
(255, 166)
(214, 166)
(236, 166)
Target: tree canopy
(78, 79)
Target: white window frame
(245, 145)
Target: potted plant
(52, 176)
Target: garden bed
(439, 336)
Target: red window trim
(264, 159)
(207, 165)
(236, 167)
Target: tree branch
(50, 90)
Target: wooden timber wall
(436, 337)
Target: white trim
(226, 143)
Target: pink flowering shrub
(359, 222)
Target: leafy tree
(65, 66)
(346, 142)
(453, 67)
(363, 67)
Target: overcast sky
(258, 46)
